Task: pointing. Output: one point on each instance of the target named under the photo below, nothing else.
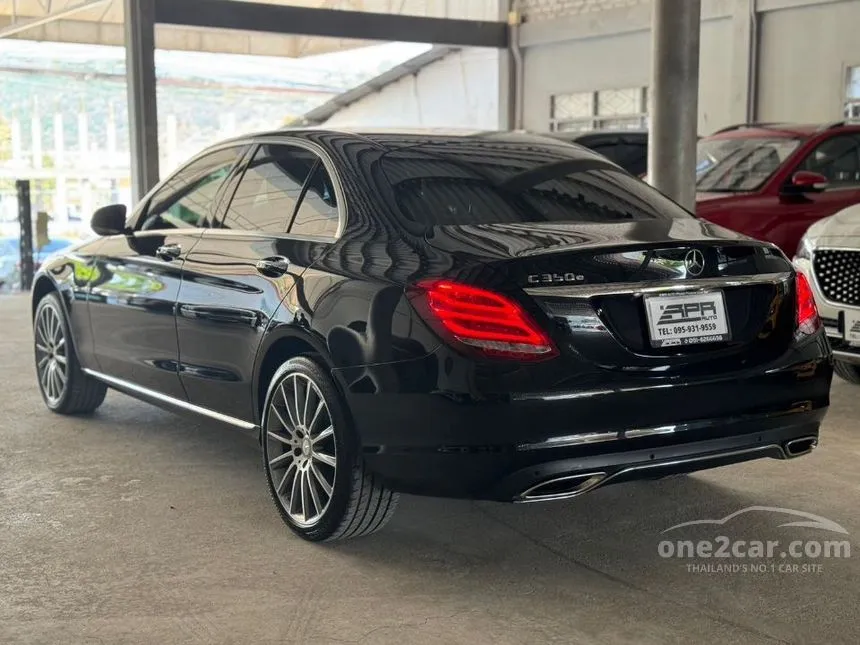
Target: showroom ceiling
(99, 22)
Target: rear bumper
(552, 473)
(450, 445)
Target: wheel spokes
(325, 434)
(327, 488)
(296, 395)
(305, 461)
(280, 460)
(319, 409)
(325, 458)
(283, 423)
(315, 498)
(287, 406)
(290, 469)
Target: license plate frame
(684, 319)
(851, 326)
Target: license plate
(852, 327)
(688, 319)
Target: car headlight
(804, 249)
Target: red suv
(771, 181)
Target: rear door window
(270, 190)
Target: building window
(852, 93)
(621, 109)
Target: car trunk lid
(594, 284)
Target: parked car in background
(829, 255)
(627, 148)
(492, 315)
(10, 259)
(772, 181)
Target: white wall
(620, 61)
(804, 52)
(460, 90)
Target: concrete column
(675, 99)
(142, 107)
(743, 62)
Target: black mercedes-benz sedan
(484, 315)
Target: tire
(847, 371)
(312, 459)
(65, 388)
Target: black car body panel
(208, 326)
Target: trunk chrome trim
(584, 438)
(158, 396)
(640, 288)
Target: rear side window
(317, 213)
(270, 189)
(186, 200)
(465, 182)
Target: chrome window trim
(641, 288)
(158, 396)
(319, 151)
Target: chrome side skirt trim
(158, 396)
(847, 357)
(671, 286)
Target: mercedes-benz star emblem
(694, 262)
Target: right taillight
(808, 321)
(483, 321)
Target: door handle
(168, 252)
(273, 267)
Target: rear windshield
(479, 182)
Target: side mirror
(109, 220)
(805, 181)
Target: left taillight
(484, 321)
(808, 321)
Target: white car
(829, 255)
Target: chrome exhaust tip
(561, 487)
(801, 446)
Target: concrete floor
(138, 526)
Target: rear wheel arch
(277, 350)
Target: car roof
(398, 137)
(782, 130)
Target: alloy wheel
(301, 452)
(52, 360)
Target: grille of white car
(838, 275)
